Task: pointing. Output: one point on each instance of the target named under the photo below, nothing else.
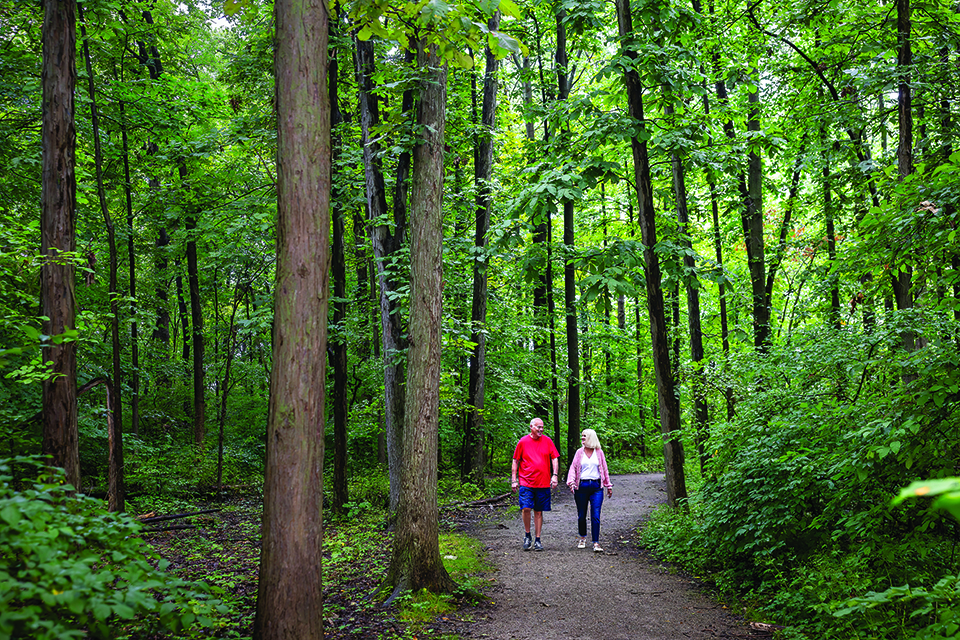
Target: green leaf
(927, 488)
(10, 514)
(101, 611)
(510, 8)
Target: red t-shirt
(534, 456)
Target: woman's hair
(590, 439)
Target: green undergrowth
(69, 569)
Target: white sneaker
(582, 543)
(597, 547)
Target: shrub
(70, 569)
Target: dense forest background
(722, 235)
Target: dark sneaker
(527, 541)
(537, 546)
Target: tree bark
(569, 269)
(290, 593)
(476, 458)
(669, 409)
(338, 348)
(901, 277)
(415, 563)
(697, 382)
(386, 245)
(132, 286)
(196, 317)
(58, 235)
(115, 491)
(753, 230)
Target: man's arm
(555, 463)
(514, 484)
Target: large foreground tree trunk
(290, 594)
(666, 388)
(58, 234)
(416, 562)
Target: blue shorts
(536, 499)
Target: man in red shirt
(533, 461)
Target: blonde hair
(590, 439)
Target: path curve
(569, 593)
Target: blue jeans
(590, 492)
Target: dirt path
(569, 593)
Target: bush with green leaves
(69, 569)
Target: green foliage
(71, 570)
(936, 610)
(794, 513)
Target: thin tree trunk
(196, 318)
(115, 490)
(669, 409)
(225, 387)
(386, 244)
(698, 386)
(753, 230)
(58, 235)
(290, 593)
(902, 276)
(339, 347)
(132, 265)
(484, 201)
(831, 234)
(569, 269)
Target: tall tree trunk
(901, 276)
(543, 301)
(753, 229)
(338, 349)
(484, 201)
(698, 385)
(225, 385)
(115, 491)
(669, 409)
(640, 407)
(386, 244)
(415, 563)
(569, 269)
(196, 317)
(58, 235)
(184, 318)
(781, 248)
(721, 91)
(132, 286)
(831, 232)
(290, 593)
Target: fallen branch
(176, 516)
(479, 503)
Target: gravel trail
(577, 594)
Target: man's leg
(537, 523)
(526, 520)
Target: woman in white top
(587, 478)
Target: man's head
(536, 428)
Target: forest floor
(557, 594)
(620, 594)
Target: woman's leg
(596, 501)
(581, 499)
